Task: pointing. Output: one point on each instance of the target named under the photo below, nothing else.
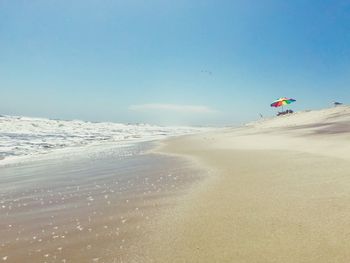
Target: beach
(278, 191)
(273, 190)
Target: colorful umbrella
(281, 102)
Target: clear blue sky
(139, 61)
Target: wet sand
(86, 209)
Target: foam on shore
(29, 138)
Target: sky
(183, 62)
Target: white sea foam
(26, 137)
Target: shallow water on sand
(88, 208)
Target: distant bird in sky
(207, 72)
(337, 103)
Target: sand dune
(278, 191)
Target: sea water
(23, 138)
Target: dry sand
(278, 191)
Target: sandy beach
(274, 190)
(278, 190)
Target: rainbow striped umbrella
(281, 102)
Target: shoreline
(265, 201)
(24, 138)
(87, 208)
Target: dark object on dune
(337, 103)
(284, 112)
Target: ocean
(24, 138)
